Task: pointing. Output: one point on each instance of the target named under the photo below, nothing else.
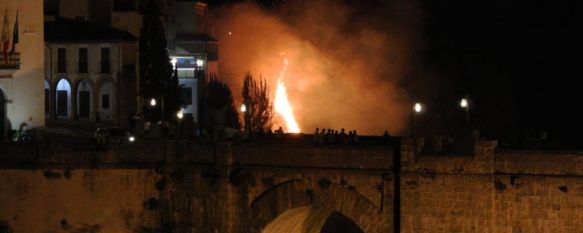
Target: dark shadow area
(338, 223)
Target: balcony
(7, 68)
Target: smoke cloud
(346, 61)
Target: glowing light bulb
(153, 102)
(418, 107)
(464, 103)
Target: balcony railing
(12, 63)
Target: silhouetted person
(316, 135)
(355, 137)
(329, 136)
(279, 132)
(321, 136)
(343, 138)
(260, 134)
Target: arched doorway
(84, 106)
(2, 115)
(106, 100)
(63, 99)
(47, 99)
(310, 219)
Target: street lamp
(179, 114)
(417, 108)
(153, 104)
(465, 104)
(199, 63)
(173, 61)
(244, 111)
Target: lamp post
(417, 108)
(244, 111)
(465, 104)
(153, 104)
(201, 86)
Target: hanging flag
(4, 38)
(15, 34)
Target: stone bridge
(187, 187)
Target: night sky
(518, 60)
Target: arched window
(63, 99)
(47, 99)
(84, 93)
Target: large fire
(282, 105)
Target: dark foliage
(155, 68)
(259, 112)
(219, 97)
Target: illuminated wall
(23, 88)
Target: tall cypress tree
(155, 68)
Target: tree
(221, 108)
(155, 68)
(259, 112)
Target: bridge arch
(299, 206)
(312, 219)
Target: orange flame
(282, 105)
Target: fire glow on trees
(346, 64)
(282, 105)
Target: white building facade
(85, 78)
(21, 77)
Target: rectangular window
(83, 60)
(105, 61)
(62, 60)
(105, 101)
(186, 95)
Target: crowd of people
(331, 136)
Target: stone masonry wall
(178, 187)
(504, 191)
(185, 187)
(76, 200)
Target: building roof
(195, 37)
(69, 30)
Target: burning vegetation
(346, 63)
